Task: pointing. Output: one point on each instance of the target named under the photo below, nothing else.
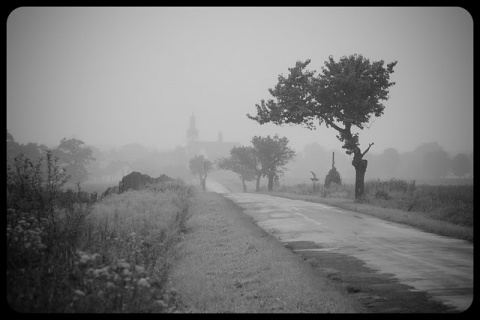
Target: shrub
(34, 187)
(382, 194)
(133, 237)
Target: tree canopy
(201, 166)
(460, 165)
(74, 154)
(344, 95)
(242, 162)
(273, 154)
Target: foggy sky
(113, 76)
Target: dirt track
(390, 267)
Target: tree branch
(371, 144)
(333, 125)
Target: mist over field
(184, 159)
(127, 81)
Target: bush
(382, 194)
(131, 238)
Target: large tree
(344, 95)
(74, 155)
(242, 162)
(201, 166)
(273, 154)
(460, 165)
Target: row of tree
(73, 155)
(426, 162)
(267, 157)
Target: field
(172, 248)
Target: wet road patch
(378, 292)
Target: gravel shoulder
(229, 264)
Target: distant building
(209, 149)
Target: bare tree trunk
(270, 182)
(257, 186)
(360, 169)
(244, 186)
(203, 181)
(360, 166)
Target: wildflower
(143, 282)
(101, 272)
(161, 303)
(97, 258)
(124, 265)
(84, 258)
(80, 293)
(140, 269)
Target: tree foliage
(31, 150)
(74, 155)
(241, 161)
(201, 166)
(460, 165)
(273, 154)
(346, 94)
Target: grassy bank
(441, 209)
(68, 253)
(229, 264)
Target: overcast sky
(113, 76)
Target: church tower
(192, 134)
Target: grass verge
(420, 220)
(229, 264)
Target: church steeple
(192, 132)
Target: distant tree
(201, 166)
(242, 162)
(74, 155)
(12, 148)
(273, 154)
(389, 161)
(460, 165)
(436, 164)
(31, 150)
(470, 163)
(314, 180)
(345, 95)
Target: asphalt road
(440, 266)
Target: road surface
(437, 265)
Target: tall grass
(448, 203)
(68, 253)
